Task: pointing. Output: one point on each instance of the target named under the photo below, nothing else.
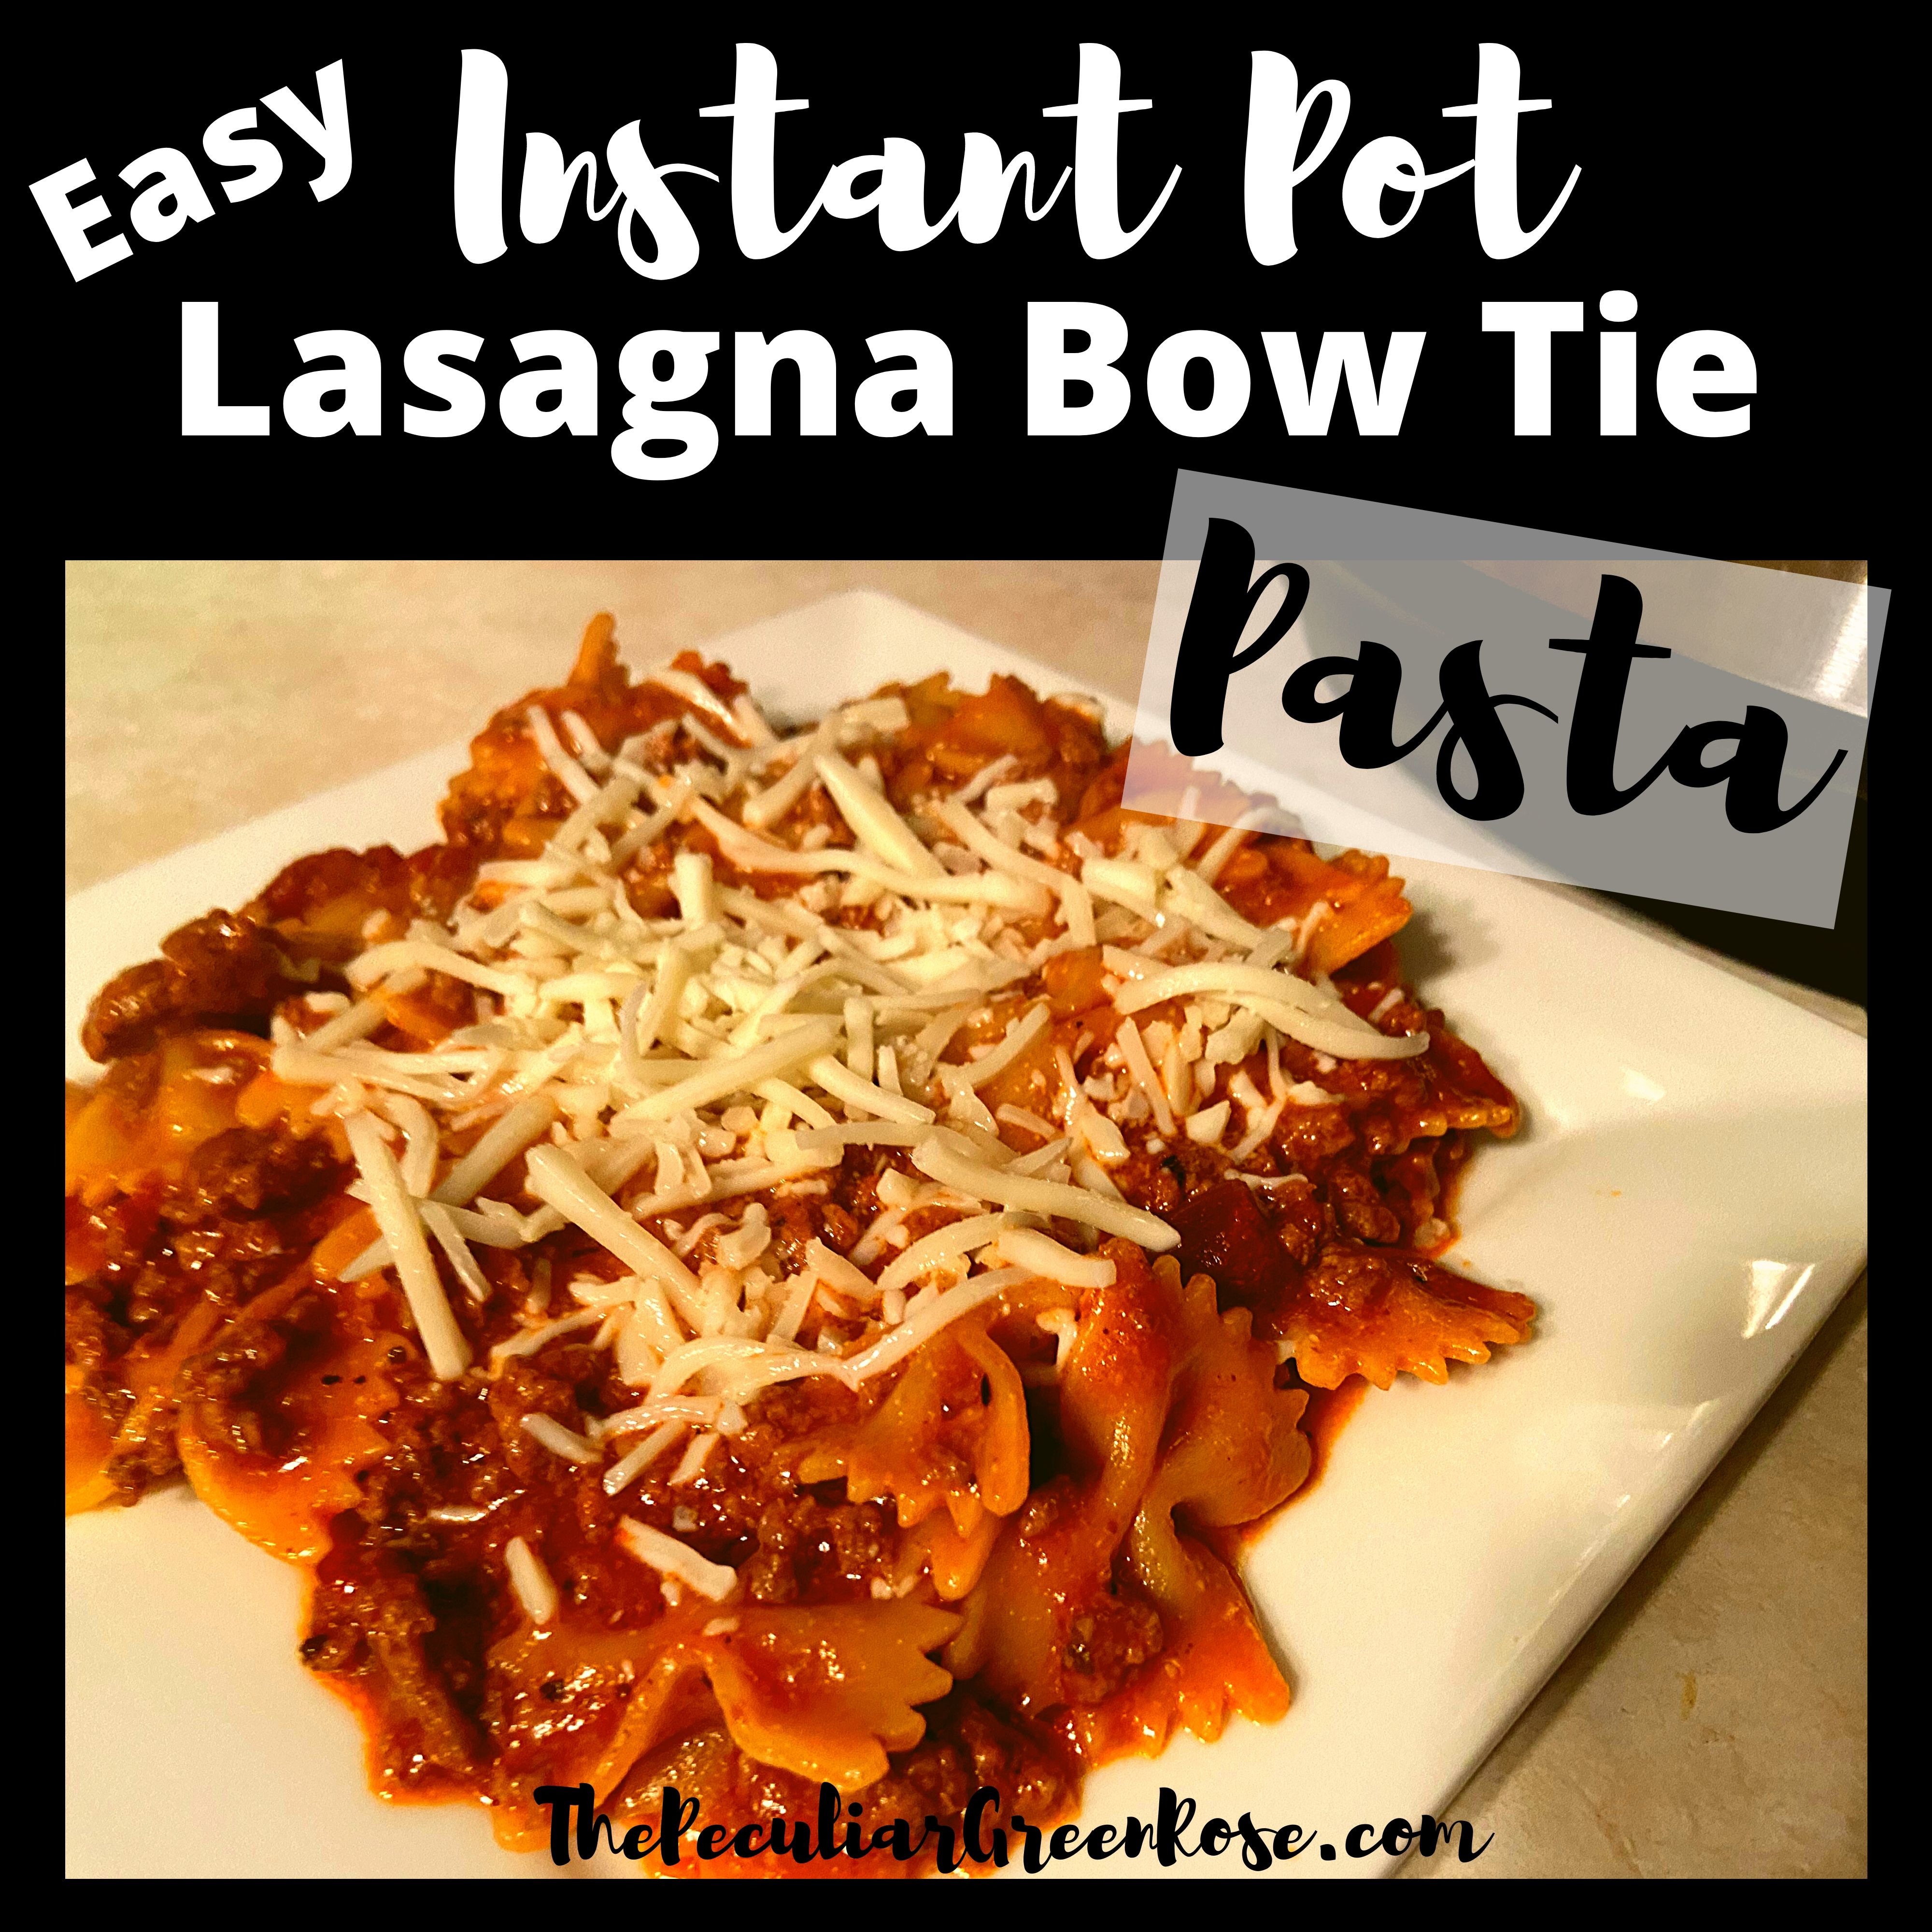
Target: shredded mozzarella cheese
(442, 1338)
(714, 1582)
(530, 1581)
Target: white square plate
(1685, 1203)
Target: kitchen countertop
(1711, 1722)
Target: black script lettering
(831, 1810)
(1608, 653)
(1254, 1845)
(1218, 613)
(1474, 726)
(896, 1837)
(1751, 775)
(1466, 1848)
(564, 1800)
(948, 1856)
(680, 1813)
(790, 1840)
(1167, 1833)
(1367, 708)
(1033, 1854)
(1367, 738)
(982, 1801)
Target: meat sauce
(1059, 1535)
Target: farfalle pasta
(767, 1260)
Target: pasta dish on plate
(766, 1261)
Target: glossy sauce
(336, 1450)
(1322, 1422)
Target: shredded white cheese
(1044, 1197)
(713, 1581)
(626, 1471)
(1041, 1255)
(555, 1178)
(530, 1581)
(719, 1044)
(443, 1340)
(532, 1339)
(560, 1440)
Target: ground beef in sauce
(191, 1289)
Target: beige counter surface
(1712, 1723)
